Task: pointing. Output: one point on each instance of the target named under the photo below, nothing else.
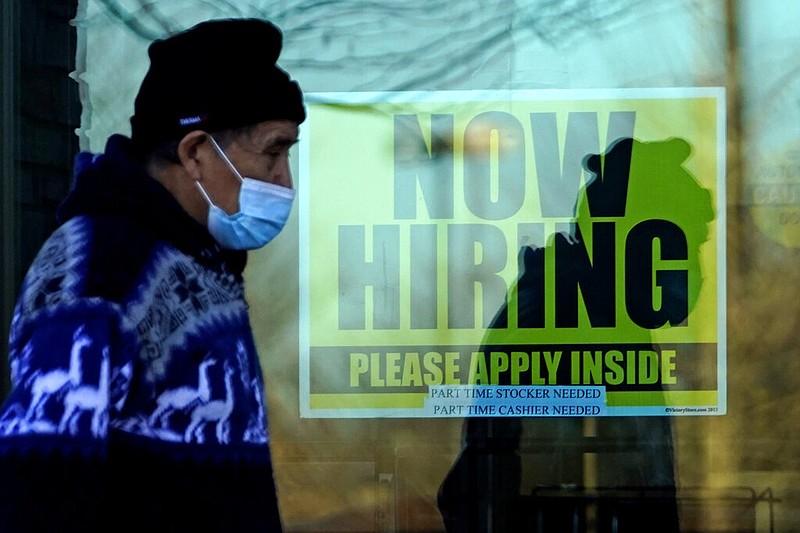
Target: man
(137, 397)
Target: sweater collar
(115, 183)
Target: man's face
(261, 154)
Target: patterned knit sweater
(136, 400)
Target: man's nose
(284, 176)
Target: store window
(541, 271)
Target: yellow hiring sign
(463, 241)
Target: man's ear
(191, 152)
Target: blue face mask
(263, 211)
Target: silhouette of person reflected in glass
(602, 474)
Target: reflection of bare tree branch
(407, 45)
(128, 19)
(493, 46)
(226, 8)
(399, 45)
(558, 23)
(404, 44)
(165, 25)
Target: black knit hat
(218, 75)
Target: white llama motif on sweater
(88, 398)
(182, 397)
(119, 384)
(216, 411)
(12, 419)
(45, 385)
(19, 366)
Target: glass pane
(540, 275)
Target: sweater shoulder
(86, 257)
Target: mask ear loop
(225, 158)
(227, 162)
(205, 194)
